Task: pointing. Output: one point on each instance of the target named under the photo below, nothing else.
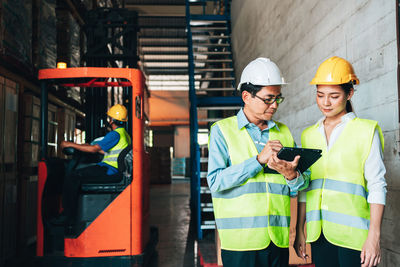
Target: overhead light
(163, 49)
(61, 65)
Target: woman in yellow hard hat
(344, 203)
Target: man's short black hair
(117, 122)
(251, 88)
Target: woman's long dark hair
(347, 87)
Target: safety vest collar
(345, 118)
(242, 121)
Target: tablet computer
(307, 157)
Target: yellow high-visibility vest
(111, 156)
(337, 194)
(250, 216)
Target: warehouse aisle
(170, 212)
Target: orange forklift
(111, 226)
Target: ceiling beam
(162, 10)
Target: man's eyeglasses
(271, 100)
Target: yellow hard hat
(335, 70)
(118, 112)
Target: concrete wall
(298, 36)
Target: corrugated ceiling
(155, 2)
(163, 50)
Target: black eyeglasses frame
(270, 101)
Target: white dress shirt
(374, 169)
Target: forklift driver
(105, 171)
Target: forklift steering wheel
(69, 151)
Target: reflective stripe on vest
(111, 156)
(253, 222)
(249, 216)
(337, 194)
(255, 187)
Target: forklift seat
(124, 172)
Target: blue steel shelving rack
(211, 85)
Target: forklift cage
(72, 77)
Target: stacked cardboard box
(31, 128)
(160, 165)
(66, 120)
(8, 168)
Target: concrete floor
(170, 212)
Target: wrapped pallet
(16, 31)
(47, 34)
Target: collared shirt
(374, 169)
(222, 175)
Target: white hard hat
(261, 71)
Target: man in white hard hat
(252, 208)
